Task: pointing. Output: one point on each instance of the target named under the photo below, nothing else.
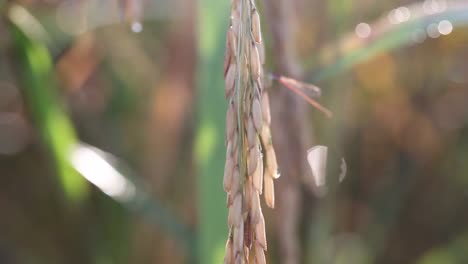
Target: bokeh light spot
(363, 30)
(445, 27)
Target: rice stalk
(251, 165)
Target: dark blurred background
(112, 131)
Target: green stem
(209, 145)
(40, 90)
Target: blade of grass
(40, 89)
(209, 148)
(59, 136)
(384, 37)
(115, 179)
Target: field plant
(251, 166)
(122, 86)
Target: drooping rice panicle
(250, 157)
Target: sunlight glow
(445, 27)
(403, 13)
(28, 23)
(317, 157)
(433, 30)
(90, 162)
(434, 6)
(399, 15)
(363, 30)
(137, 27)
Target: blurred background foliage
(142, 80)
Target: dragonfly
(317, 156)
(306, 91)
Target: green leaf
(40, 89)
(209, 146)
